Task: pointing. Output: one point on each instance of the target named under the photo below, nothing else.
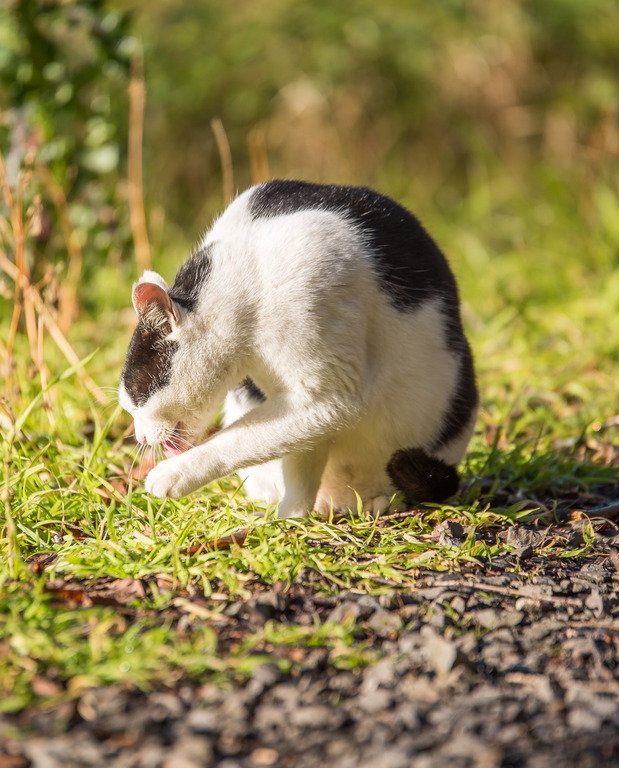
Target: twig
(137, 215)
(608, 512)
(480, 586)
(225, 542)
(258, 157)
(11, 529)
(223, 147)
(52, 326)
(68, 305)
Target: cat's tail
(422, 478)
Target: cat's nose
(142, 439)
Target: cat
(329, 321)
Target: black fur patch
(251, 390)
(463, 402)
(149, 359)
(410, 266)
(190, 278)
(422, 478)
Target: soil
(513, 665)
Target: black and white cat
(331, 320)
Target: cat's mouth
(176, 443)
(169, 449)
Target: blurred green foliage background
(422, 100)
(496, 121)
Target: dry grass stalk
(27, 299)
(137, 215)
(258, 156)
(223, 147)
(69, 306)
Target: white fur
(293, 302)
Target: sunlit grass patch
(100, 583)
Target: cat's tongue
(170, 450)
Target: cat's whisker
(135, 458)
(142, 451)
(180, 441)
(111, 393)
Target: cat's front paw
(171, 478)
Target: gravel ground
(513, 666)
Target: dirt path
(513, 666)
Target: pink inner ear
(150, 293)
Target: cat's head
(158, 382)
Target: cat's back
(341, 227)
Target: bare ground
(510, 665)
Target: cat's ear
(152, 303)
(149, 276)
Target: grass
(101, 583)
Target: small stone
(337, 747)
(202, 721)
(190, 752)
(272, 598)
(388, 600)
(491, 618)
(575, 540)
(264, 676)
(499, 581)
(523, 553)
(345, 611)
(528, 605)
(235, 609)
(443, 655)
(381, 674)
(450, 533)
(594, 572)
(316, 716)
(376, 701)
(535, 590)
(233, 714)
(595, 603)
(266, 605)
(409, 612)
(165, 706)
(583, 720)
(384, 623)
(264, 756)
(459, 605)
(344, 683)
(519, 537)
(367, 605)
(407, 714)
(429, 593)
(580, 585)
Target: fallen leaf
(14, 761)
(38, 563)
(62, 593)
(42, 686)
(117, 593)
(140, 471)
(118, 489)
